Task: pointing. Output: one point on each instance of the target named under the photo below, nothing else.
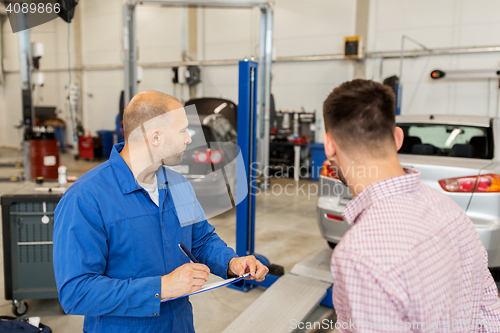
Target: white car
(457, 155)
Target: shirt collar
(379, 190)
(124, 176)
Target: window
(447, 140)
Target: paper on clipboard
(212, 286)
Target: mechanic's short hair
(146, 106)
(361, 113)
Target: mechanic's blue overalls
(112, 244)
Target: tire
(332, 245)
(19, 308)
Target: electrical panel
(353, 47)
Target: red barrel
(44, 157)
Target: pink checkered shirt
(411, 262)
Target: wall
(54, 36)
(437, 24)
(300, 28)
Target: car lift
(265, 59)
(290, 296)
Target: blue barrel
(106, 141)
(317, 158)
(59, 133)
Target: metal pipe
(261, 91)
(130, 51)
(311, 58)
(440, 51)
(202, 3)
(35, 243)
(126, 52)
(416, 42)
(498, 99)
(24, 47)
(325, 57)
(401, 57)
(1, 50)
(267, 96)
(184, 33)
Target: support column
(361, 29)
(129, 51)
(265, 67)
(23, 39)
(192, 50)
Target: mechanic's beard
(172, 160)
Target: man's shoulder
(93, 181)
(389, 229)
(423, 202)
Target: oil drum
(44, 158)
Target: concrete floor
(286, 232)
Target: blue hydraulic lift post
(247, 142)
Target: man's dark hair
(361, 113)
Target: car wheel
(495, 273)
(332, 245)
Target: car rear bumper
(488, 230)
(209, 185)
(333, 230)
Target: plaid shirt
(412, 261)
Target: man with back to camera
(412, 260)
(117, 231)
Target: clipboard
(212, 286)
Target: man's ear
(330, 147)
(154, 138)
(399, 136)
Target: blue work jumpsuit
(112, 244)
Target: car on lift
(210, 164)
(456, 155)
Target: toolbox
(27, 225)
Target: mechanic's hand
(186, 279)
(243, 265)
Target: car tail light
(202, 157)
(478, 184)
(327, 170)
(214, 157)
(334, 217)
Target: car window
(447, 140)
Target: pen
(188, 253)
